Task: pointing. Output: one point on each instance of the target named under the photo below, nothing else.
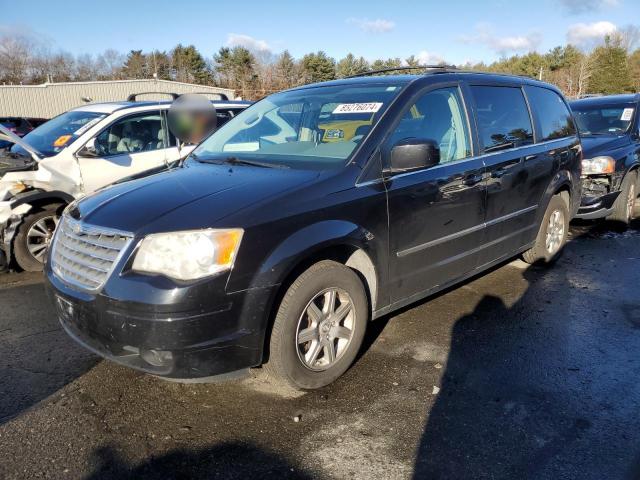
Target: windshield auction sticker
(372, 107)
(627, 113)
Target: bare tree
(109, 65)
(15, 56)
(585, 72)
(629, 37)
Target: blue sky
(451, 30)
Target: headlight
(598, 165)
(188, 255)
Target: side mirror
(89, 150)
(414, 153)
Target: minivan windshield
(52, 136)
(612, 119)
(312, 128)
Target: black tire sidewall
(307, 286)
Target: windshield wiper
(255, 163)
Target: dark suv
(610, 132)
(311, 213)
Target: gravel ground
(520, 373)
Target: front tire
(33, 238)
(319, 326)
(624, 206)
(552, 235)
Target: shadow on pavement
(226, 460)
(516, 399)
(37, 358)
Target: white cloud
(503, 45)
(378, 25)
(428, 58)
(588, 34)
(248, 42)
(582, 6)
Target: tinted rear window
(503, 117)
(552, 113)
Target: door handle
(472, 180)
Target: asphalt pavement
(523, 372)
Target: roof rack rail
(134, 96)
(399, 69)
(223, 96)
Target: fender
(561, 180)
(306, 242)
(37, 195)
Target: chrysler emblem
(76, 228)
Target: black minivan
(311, 213)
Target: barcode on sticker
(372, 107)
(627, 113)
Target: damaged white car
(73, 155)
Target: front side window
(599, 119)
(58, 133)
(438, 116)
(315, 128)
(552, 113)
(503, 117)
(132, 134)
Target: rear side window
(503, 117)
(552, 113)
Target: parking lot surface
(521, 373)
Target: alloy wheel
(555, 232)
(39, 236)
(325, 329)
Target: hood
(6, 134)
(595, 145)
(199, 194)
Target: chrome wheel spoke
(313, 352)
(315, 315)
(342, 332)
(341, 312)
(37, 250)
(329, 302)
(308, 334)
(330, 351)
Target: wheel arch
(343, 242)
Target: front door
(436, 214)
(130, 145)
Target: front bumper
(203, 332)
(597, 207)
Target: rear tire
(33, 238)
(624, 206)
(552, 235)
(319, 326)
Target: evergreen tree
(318, 67)
(135, 66)
(189, 65)
(350, 65)
(236, 68)
(611, 72)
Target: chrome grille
(84, 255)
